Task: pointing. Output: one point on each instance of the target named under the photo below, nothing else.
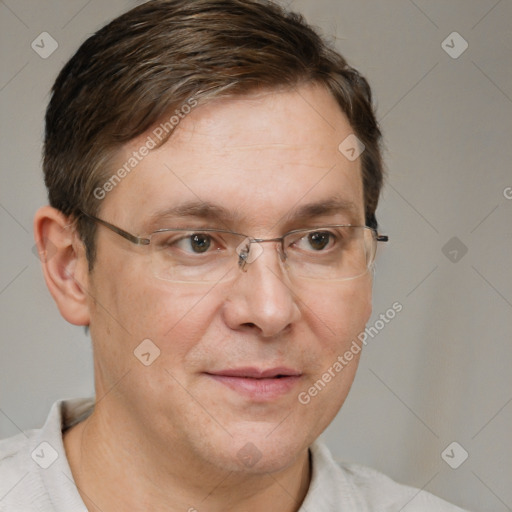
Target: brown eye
(200, 243)
(319, 240)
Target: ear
(64, 263)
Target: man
(213, 171)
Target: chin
(258, 452)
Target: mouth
(258, 384)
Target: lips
(258, 384)
(256, 373)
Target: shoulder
(371, 490)
(34, 471)
(386, 494)
(21, 487)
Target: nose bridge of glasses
(251, 249)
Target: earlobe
(64, 263)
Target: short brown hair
(154, 58)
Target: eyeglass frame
(243, 255)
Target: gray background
(440, 370)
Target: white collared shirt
(35, 476)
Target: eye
(315, 241)
(319, 241)
(197, 245)
(196, 242)
(187, 242)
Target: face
(262, 158)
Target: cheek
(174, 316)
(339, 312)
(129, 305)
(336, 318)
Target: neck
(116, 467)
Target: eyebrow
(214, 212)
(331, 206)
(193, 210)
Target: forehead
(260, 157)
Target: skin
(168, 436)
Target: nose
(261, 297)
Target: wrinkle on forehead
(262, 155)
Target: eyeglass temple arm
(132, 238)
